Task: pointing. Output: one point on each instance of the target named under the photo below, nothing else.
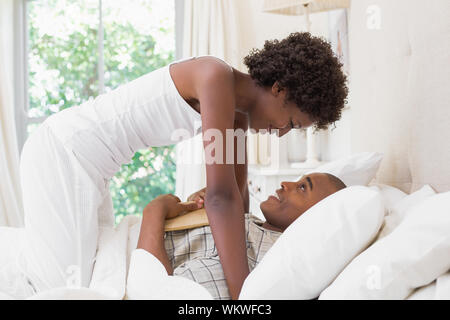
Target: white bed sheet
(116, 262)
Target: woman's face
(273, 112)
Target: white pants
(65, 201)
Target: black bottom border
(273, 309)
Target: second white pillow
(413, 255)
(397, 213)
(356, 169)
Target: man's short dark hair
(337, 183)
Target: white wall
(258, 26)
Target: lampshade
(297, 7)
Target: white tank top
(107, 131)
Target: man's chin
(263, 205)
(266, 208)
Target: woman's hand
(169, 206)
(198, 197)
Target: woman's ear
(276, 88)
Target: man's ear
(276, 88)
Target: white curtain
(11, 210)
(210, 28)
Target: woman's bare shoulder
(209, 67)
(195, 76)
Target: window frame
(21, 99)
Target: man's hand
(198, 197)
(170, 206)
(151, 236)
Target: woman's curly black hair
(307, 68)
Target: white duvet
(120, 270)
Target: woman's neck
(247, 91)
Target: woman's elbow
(215, 198)
(220, 198)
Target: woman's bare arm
(241, 167)
(223, 200)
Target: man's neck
(268, 226)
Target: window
(74, 50)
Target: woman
(67, 163)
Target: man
(193, 254)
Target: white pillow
(413, 255)
(356, 169)
(317, 246)
(400, 210)
(439, 289)
(391, 195)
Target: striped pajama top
(193, 254)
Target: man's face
(294, 198)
